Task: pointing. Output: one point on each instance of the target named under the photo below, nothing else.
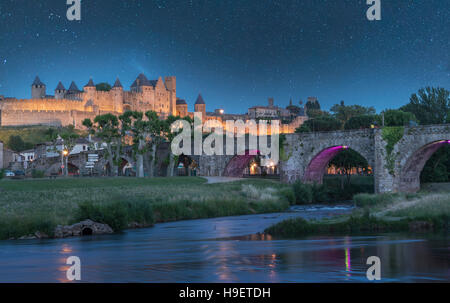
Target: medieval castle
(71, 106)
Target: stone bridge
(307, 155)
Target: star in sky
(237, 54)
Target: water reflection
(227, 250)
(348, 266)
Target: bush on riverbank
(117, 214)
(300, 227)
(330, 191)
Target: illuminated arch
(410, 172)
(317, 166)
(237, 164)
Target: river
(229, 250)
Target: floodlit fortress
(71, 106)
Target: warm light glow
(65, 152)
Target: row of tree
(427, 106)
(143, 131)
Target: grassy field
(378, 213)
(27, 206)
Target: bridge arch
(409, 180)
(315, 169)
(237, 164)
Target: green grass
(30, 205)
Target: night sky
(236, 53)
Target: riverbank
(421, 212)
(28, 206)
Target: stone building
(71, 106)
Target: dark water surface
(228, 250)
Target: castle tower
(171, 85)
(90, 89)
(38, 89)
(140, 82)
(181, 108)
(200, 106)
(117, 91)
(73, 92)
(60, 91)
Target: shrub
(320, 193)
(35, 173)
(116, 214)
(2, 173)
(362, 200)
(289, 194)
(303, 193)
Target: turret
(181, 108)
(38, 89)
(200, 106)
(171, 85)
(60, 91)
(117, 91)
(90, 89)
(73, 89)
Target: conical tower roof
(117, 83)
(200, 100)
(60, 86)
(37, 81)
(73, 88)
(90, 83)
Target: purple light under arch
(316, 168)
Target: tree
(106, 127)
(16, 143)
(346, 160)
(169, 134)
(430, 105)
(132, 122)
(343, 112)
(69, 139)
(394, 117)
(321, 123)
(313, 109)
(105, 87)
(363, 121)
(155, 130)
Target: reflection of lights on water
(348, 265)
(66, 249)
